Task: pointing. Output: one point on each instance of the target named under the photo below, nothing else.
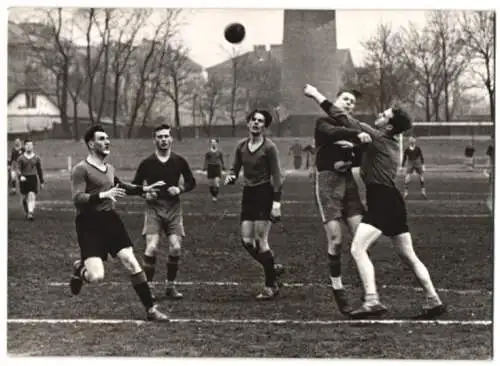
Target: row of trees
(443, 67)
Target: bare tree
(210, 99)
(478, 28)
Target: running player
(336, 192)
(413, 154)
(260, 205)
(386, 212)
(16, 152)
(30, 173)
(99, 229)
(214, 166)
(163, 209)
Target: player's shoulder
(178, 157)
(269, 143)
(80, 167)
(241, 143)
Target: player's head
(412, 140)
(163, 137)
(394, 120)
(17, 143)
(258, 120)
(346, 99)
(214, 143)
(28, 145)
(97, 141)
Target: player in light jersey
(386, 208)
(260, 205)
(214, 166)
(100, 230)
(413, 154)
(30, 173)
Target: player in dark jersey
(163, 208)
(16, 152)
(296, 152)
(386, 208)
(30, 173)
(469, 156)
(337, 195)
(99, 228)
(214, 166)
(260, 205)
(415, 158)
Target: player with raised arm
(163, 208)
(413, 154)
(386, 212)
(336, 193)
(261, 201)
(214, 166)
(16, 152)
(30, 173)
(99, 228)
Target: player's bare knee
(94, 273)
(152, 242)
(129, 261)
(175, 247)
(247, 241)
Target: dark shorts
(29, 185)
(257, 203)
(214, 171)
(166, 218)
(297, 162)
(414, 168)
(337, 195)
(386, 210)
(101, 233)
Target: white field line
(312, 284)
(255, 321)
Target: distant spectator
(296, 152)
(310, 152)
(469, 156)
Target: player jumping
(99, 229)
(386, 212)
(260, 205)
(413, 154)
(214, 166)
(336, 192)
(163, 208)
(30, 173)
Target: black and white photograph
(250, 183)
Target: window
(30, 100)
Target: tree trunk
(76, 132)
(177, 120)
(115, 104)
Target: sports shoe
(279, 269)
(76, 281)
(342, 301)
(214, 199)
(268, 293)
(30, 217)
(431, 313)
(172, 293)
(423, 193)
(367, 310)
(156, 315)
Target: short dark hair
(214, 139)
(90, 133)
(357, 94)
(163, 126)
(400, 121)
(268, 119)
(27, 139)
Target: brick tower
(309, 47)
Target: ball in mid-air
(234, 33)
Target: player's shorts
(29, 185)
(163, 217)
(386, 210)
(297, 162)
(257, 203)
(414, 168)
(214, 171)
(337, 195)
(101, 233)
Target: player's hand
(153, 187)
(276, 212)
(150, 195)
(22, 178)
(364, 137)
(310, 91)
(344, 144)
(174, 191)
(230, 179)
(113, 193)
